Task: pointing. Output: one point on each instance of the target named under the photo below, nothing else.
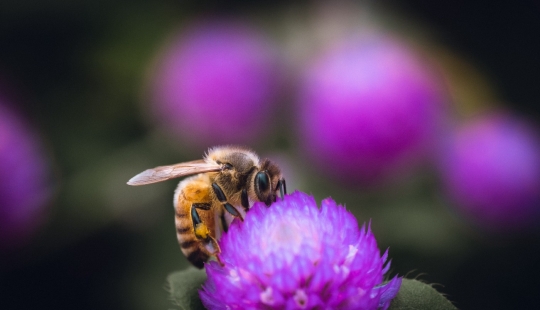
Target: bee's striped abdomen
(195, 189)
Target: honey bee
(223, 185)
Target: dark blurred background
(80, 80)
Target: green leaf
(414, 294)
(184, 288)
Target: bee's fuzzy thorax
(218, 152)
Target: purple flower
(294, 255)
(370, 108)
(24, 190)
(217, 83)
(491, 169)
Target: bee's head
(265, 182)
(237, 167)
(242, 170)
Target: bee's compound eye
(263, 181)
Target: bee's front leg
(245, 200)
(223, 199)
(282, 188)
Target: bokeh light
(370, 109)
(25, 187)
(491, 169)
(217, 83)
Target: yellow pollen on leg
(202, 231)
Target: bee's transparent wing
(163, 173)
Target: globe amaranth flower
(216, 83)
(293, 255)
(24, 169)
(491, 170)
(369, 101)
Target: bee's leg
(213, 248)
(221, 197)
(201, 205)
(245, 200)
(282, 187)
(224, 224)
(202, 232)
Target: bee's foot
(219, 261)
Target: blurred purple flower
(217, 84)
(294, 255)
(24, 172)
(491, 168)
(369, 110)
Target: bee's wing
(163, 173)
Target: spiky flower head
(294, 255)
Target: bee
(222, 186)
